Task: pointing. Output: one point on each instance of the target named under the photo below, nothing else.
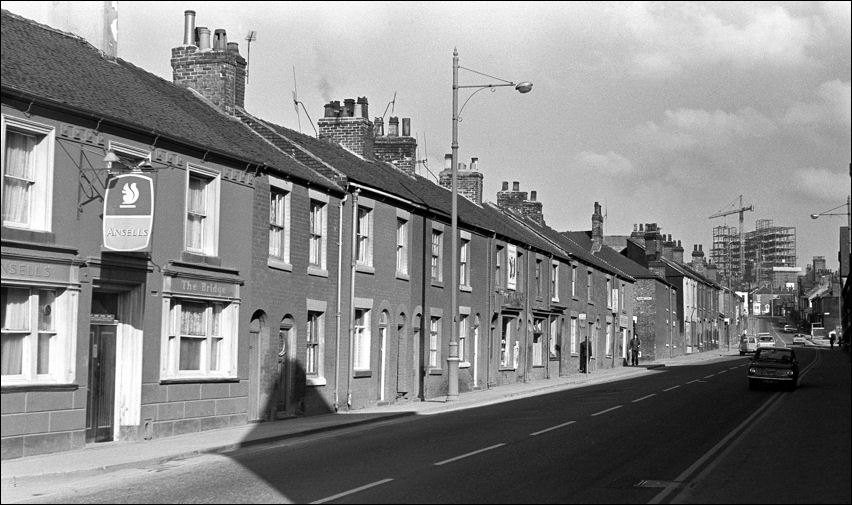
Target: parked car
(774, 366)
(800, 338)
(748, 344)
(789, 328)
(765, 340)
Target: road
(684, 434)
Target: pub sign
(128, 213)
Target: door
(383, 336)
(100, 414)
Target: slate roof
(611, 256)
(682, 269)
(56, 68)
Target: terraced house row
(174, 263)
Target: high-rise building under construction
(769, 252)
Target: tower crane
(740, 210)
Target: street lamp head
(524, 87)
(814, 216)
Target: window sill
(402, 276)
(196, 257)
(206, 379)
(465, 288)
(464, 364)
(318, 272)
(437, 283)
(279, 265)
(26, 387)
(363, 373)
(436, 371)
(366, 269)
(27, 235)
(506, 369)
(315, 381)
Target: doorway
(100, 415)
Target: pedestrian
(634, 350)
(583, 356)
(831, 339)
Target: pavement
(101, 458)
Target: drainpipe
(339, 296)
(489, 286)
(526, 361)
(352, 294)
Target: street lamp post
(522, 87)
(848, 215)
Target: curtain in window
(18, 176)
(192, 325)
(276, 225)
(196, 207)
(363, 235)
(15, 317)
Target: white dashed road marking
(468, 454)
(551, 428)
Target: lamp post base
(453, 373)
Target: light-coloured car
(800, 338)
(789, 328)
(765, 340)
(748, 344)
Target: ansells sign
(128, 213)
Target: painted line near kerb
(353, 491)
(605, 411)
(468, 454)
(644, 397)
(673, 387)
(552, 428)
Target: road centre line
(552, 428)
(673, 387)
(644, 397)
(696, 380)
(605, 411)
(352, 491)
(721, 371)
(708, 376)
(734, 367)
(468, 454)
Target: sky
(662, 112)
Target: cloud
(685, 129)
(821, 183)
(833, 108)
(608, 165)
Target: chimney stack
(677, 253)
(668, 247)
(518, 202)
(468, 181)
(597, 228)
(354, 132)
(653, 242)
(398, 150)
(217, 73)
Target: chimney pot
(474, 163)
(234, 48)
(349, 107)
(640, 227)
(505, 186)
(220, 40)
(189, 28)
(379, 125)
(393, 127)
(203, 38)
(406, 127)
(516, 186)
(533, 195)
(364, 106)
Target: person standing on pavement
(831, 339)
(634, 350)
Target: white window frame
(364, 235)
(210, 230)
(506, 341)
(588, 285)
(499, 281)
(608, 338)
(554, 281)
(574, 329)
(573, 281)
(402, 246)
(227, 335)
(539, 278)
(39, 212)
(437, 254)
(280, 190)
(318, 233)
(464, 317)
(464, 261)
(62, 336)
(362, 337)
(315, 377)
(553, 337)
(538, 343)
(434, 341)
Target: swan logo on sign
(128, 213)
(129, 195)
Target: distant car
(748, 344)
(789, 328)
(765, 340)
(800, 338)
(774, 366)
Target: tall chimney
(217, 73)
(189, 28)
(677, 253)
(399, 150)
(597, 228)
(353, 133)
(468, 181)
(653, 246)
(668, 247)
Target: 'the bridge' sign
(128, 213)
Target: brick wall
(468, 183)
(353, 133)
(218, 75)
